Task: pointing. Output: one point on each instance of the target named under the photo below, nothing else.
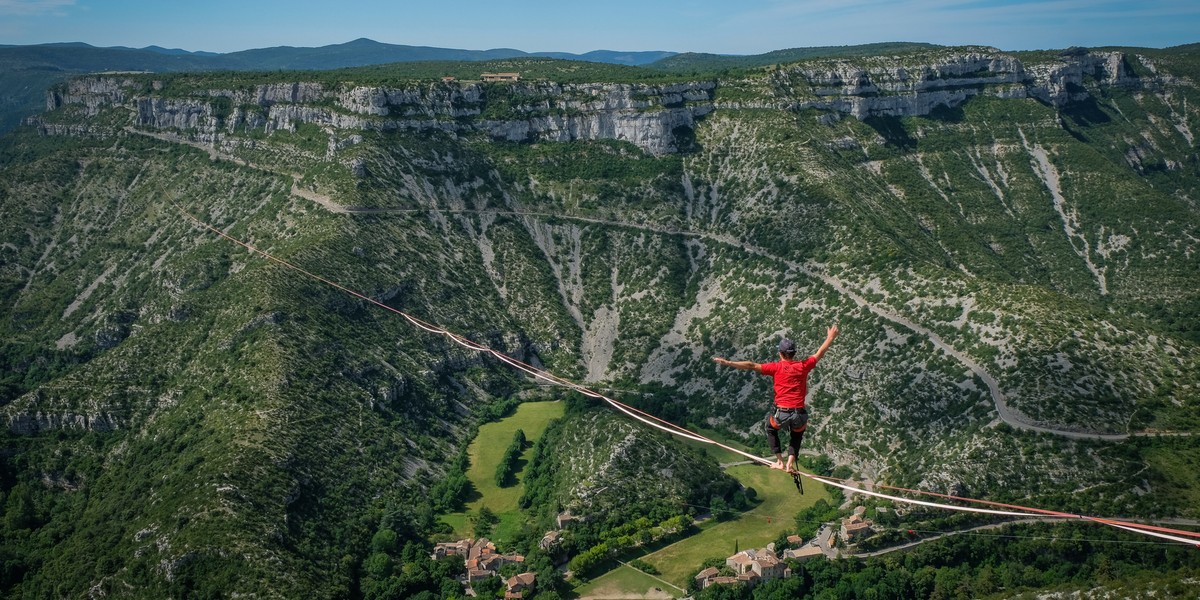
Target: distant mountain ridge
(359, 52)
(691, 60)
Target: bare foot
(791, 468)
(778, 465)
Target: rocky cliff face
(657, 118)
(90, 92)
(31, 423)
(649, 116)
(894, 87)
(1062, 82)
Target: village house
(489, 564)
(750, 567)
(444, 549)
(817, 546)
(501, 76)
(480, 557)
(720, 581)
(803, 553)
(519, 586)
(761, 562)
(565, 518)
(855, 528)
(709, 577)
(449, 79)
(550, 540)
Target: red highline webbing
(653, 421)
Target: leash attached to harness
(792, 420)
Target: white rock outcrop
(877, 87)
(657, 118)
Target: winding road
(1006, 414)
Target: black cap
(787, 346)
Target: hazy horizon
(708, 26)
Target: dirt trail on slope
(1006, 413)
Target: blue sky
(720, 26)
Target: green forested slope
(1014, 280)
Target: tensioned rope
(1011, 510)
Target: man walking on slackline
(791, 386)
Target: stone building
(501, 76)
(749, 566)
(855, 528)
(519, 586)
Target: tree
(488, 588)
(378, 565)
(485, 521)
(822, 465)
(19, 510)
(385, 540)
(506, 470)
(451, 589)
(720, 509)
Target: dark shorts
(791, 419)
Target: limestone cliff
(660, 119)
(915, 85)
(650, 116)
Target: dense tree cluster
(617, 540)
(449, 493)
(1069, 556)
(506, 470)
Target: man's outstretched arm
(829, 337)
(744, 365)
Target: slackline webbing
(1009, 510)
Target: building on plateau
(501, 76)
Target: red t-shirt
(791, 380)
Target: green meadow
(754, 528)
(721, 455)
(779, 501)
(628, 582)
(485, 453)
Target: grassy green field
(753, 529)
(779, 502)
(627, 582)
(722, 455)
(485, 453)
